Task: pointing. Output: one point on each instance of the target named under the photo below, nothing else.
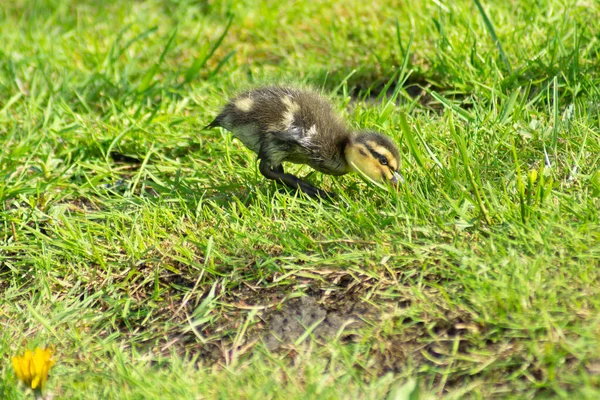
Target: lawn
(157, 262)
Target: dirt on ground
(306, 317)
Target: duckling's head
(375, 155)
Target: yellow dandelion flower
(32, 367)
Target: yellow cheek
(389, 174)
(375, 171)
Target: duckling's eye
(383, 160)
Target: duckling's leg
(276, 173)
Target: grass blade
(555, 117)
(222, 63)
(508, 107)
(467, 116)
(145, 84)
(520, 184)
(492, 31)
(462, 149)
(412, 143)
(404, 74)
(200, 62)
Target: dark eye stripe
(377, 155)
(373, 152)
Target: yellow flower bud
(32, 368)
(532, 175)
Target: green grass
(154, 257)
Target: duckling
(299, 126)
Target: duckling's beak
(397, 178)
